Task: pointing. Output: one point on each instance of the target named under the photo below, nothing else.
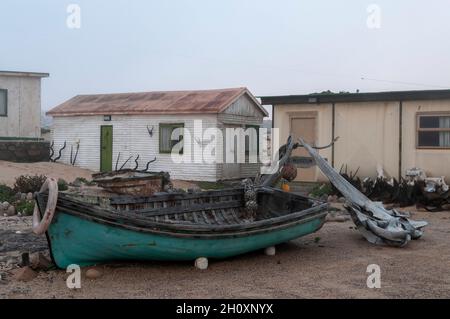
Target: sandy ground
(9, 171)
(331, 263)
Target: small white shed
(109, 129)
(20, 105)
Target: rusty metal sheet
(165, 102)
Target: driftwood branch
(121, 167)
(136, 160)
(148, 165)
(52, 151)
(60, 152)
(137, 163)
(76, 155)
(117, 161)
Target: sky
(272, 47)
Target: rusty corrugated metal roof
(163, 102)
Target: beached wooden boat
(174, 226)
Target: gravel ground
(331, 263)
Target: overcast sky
(271, 47)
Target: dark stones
(24, 151)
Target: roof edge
(25, 74)
(67, 114)
(160, 91)
(357, 97)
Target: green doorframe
(106, 148)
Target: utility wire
(313, 73)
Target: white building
(110, 129)
(20, 105)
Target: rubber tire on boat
(41, 226)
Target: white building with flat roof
(20, 105)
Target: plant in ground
(6, 194)
(25, 207)
(62, 185)
(29, 184)
(321, 190)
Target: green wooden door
(106, 148)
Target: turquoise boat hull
(75, 240)
(86, 235)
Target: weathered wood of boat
(174, 226)
(132, 182)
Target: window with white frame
(433, 130)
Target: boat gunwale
(212, 234)
(177, 226)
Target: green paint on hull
(75, 240)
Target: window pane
(164, 139)
(435, 122)
(429, 139)
(3, 109)
(429, 122)
(444, 122)
(444, 139)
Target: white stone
(11, 210)
(270, 251)
(201, 263)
